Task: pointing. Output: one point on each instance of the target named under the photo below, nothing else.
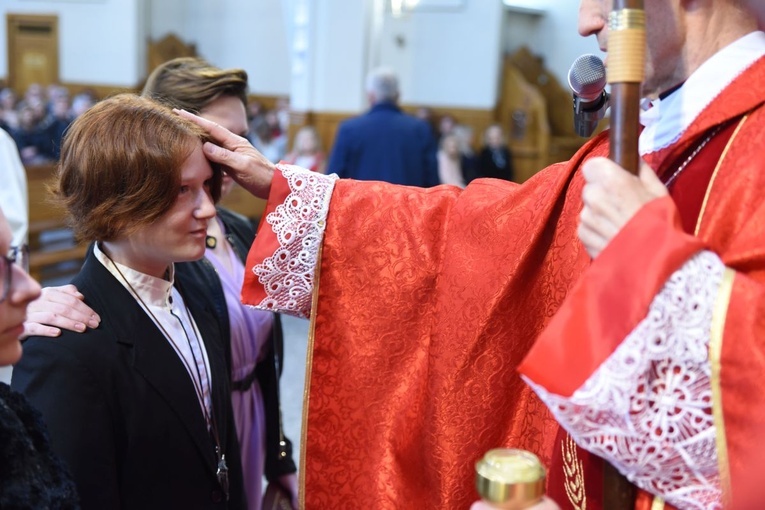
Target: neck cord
(692, 155)
(209, 416)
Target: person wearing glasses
(13, 195)
(31, 475)
(139, 408)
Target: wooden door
(32, 50)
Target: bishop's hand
(251, 169)
(612, 196)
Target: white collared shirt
(668, 119)
(165, 307)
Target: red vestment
(428, 300)
(614, 294)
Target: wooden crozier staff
(625, 73)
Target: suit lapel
(153, 356)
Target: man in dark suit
(385, 144)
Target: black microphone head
(587, 77)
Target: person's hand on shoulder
(59, 308)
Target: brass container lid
(510, 479)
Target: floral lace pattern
(647, 409)
(299, 224)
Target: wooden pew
(239, 200)
(49, 259)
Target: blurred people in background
(307, 151)
(445, 125)
(9, 117)
(495, 159)
(82, 102)
(450, 162)
(268, 137)
(282, 109)
(385, 144)
(37, 122)
(426, 114)
(56, 122)
(30, 137)
(464, 135)
(255, 113)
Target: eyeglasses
(17, 255)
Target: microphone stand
(625, 73)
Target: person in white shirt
(140, 407)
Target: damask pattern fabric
(730, 224)
(428, 300)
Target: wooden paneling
(101, 91)
(32, 50)
(326, 123)
(167, 48)
(60, 256)
(268, 102)
(241, 201)
(523, 113)
(477, 119)
(560, 113)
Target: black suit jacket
(241, 234)
(121, 407)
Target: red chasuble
(721, 204)
(427, 301)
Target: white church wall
(232, 33)
(445, 58)
(553, 34)
(105, 53)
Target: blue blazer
(385, 144)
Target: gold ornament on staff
(625, 74)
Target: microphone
(587, 79)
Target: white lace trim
(647, 409)
(299, 222)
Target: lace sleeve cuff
(282, 262)
(647, 409)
